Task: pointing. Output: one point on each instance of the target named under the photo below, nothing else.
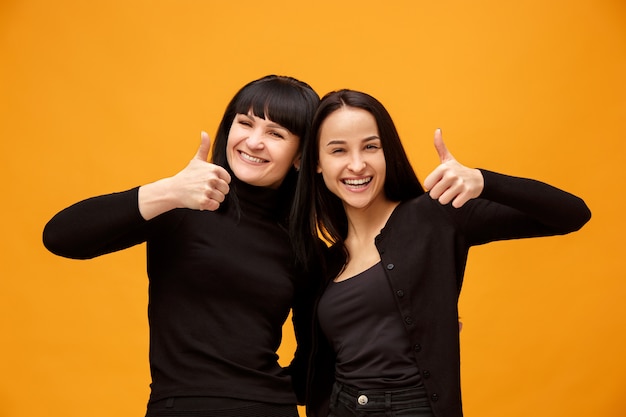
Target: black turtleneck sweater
(221, 287)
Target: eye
(277, 134)
(337, 150)
(372, 146)
(243, 120)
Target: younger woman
(220, 263)
(388, 332)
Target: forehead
(250, 114)
(348, 122)
(279, 105)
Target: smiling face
(260, 152)
(351, 158)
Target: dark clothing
(221, 287)
(424, 248)
(346, 401)
(382, 358)
(217, 407)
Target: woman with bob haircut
(386, 333)
(220, 262)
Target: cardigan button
(408, 320)
(426, 374)
(435, 397)
(400, 293)
(417, 348)
(390, 266)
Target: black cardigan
(424, 248)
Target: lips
(251, 158)
(357, 182)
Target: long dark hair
(317, 210)
(285, 100)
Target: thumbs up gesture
(200, 186)
(451, 181)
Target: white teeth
(252, 158)
(358, 182)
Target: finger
(220, 185)
(433, 178)
(461, 199)
(440, 146)
(444, 193)
(447, 189)
(205, 147)
(225, 176)
(210, 205)
(214, 198)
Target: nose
(357, 164)
(255, 140)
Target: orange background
(98, 97)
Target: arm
(557, 209)
(501, 206)
(302, 319)
(116, 221)
(95, 226)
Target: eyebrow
(272, 124)
(342, 141)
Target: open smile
(358, 182)
(251, 158)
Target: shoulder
(417, 208)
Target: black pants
(217, 407)
(347, 401)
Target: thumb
(205, 147)
(440, 146)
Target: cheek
(233, 140)
(329, 184)
(289, 154)
(322, 164)
(229, 151)
(325, 171)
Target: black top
(423, 249)
(381, 357)
(221, 287)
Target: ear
(297, 162)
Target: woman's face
(351, 158)
(259, 151)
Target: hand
(201, 185)
(451, 181)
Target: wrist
(156, 198)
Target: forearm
(95, 226)
(549, 205)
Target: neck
(260, 201)
(364, 224)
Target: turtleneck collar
(260, 201)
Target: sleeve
(96, 226)
(307, 290)
(302, 320)
(512, 207)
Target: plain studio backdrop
(97, 97)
